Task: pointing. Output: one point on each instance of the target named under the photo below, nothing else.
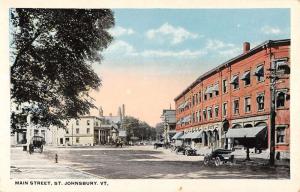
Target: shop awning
(177, 136)
(208, 90)
(245, 132)
(246, 75)
(197, 135)
(259, 71)
(187, 135)
(234, 80)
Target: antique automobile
(158, 144)
(36, 142)
(190, 151)
(219, 157)
(180, 149)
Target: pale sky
(157, 53)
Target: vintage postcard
(152, 96)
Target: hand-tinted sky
(157, 53)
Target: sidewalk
(26, 166)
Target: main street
(143, 162)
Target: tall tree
(52, 52)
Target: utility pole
(273, 114)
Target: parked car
(190, 151)
(219, 157)
(36, 142)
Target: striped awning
(178, 135)
(197, 134)
(208, 90)
(259, 71)
(250, 132)
(216, 87)
(187, 135)
(246, 75)
(234, 80)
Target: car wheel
(206, 160)
(217, 161)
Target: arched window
(248, 125)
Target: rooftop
(268, 43)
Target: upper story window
(235, 81)
(247, 104)
(280, 134)
(77, 122)
(77, 130)
(246, 78)
(204, 114)
(209, 111)
(224, 85)
(193, 100)
(280, 99)
(260, 99)
(88, 130)
(216, 111)
(259, 73)
(216, 89)
(67, 131)
(199, 95)
(282, 65)
(88, 122)
(236, 107)
(224, 109)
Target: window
(216, 111)
(204, 114)
(205, 96)
(236, 107)
(246, 78)
(247, 104)
(209, 111)
(193, 100)
(67, 131)
(77, 122)
(235, 81)
(199, 95)
(77, 130)
(260, 102)
(224, 85)
(97, 124)
(196, 98)
(259, 73)
(280, 100)
(88, 122)
(216, 89)
(77, 139)
(280, 135)
(224, 109)
(36, 132)
(199, 112)
(88, 131)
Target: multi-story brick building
(238, 91)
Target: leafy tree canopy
(136, 128)
(52, 51)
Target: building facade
(169, 122)
(238, 92)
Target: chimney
(246, 47)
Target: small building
(169, 122)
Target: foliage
(135, 128)
(52, 51)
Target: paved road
(144, 162)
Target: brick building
(238, 92)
